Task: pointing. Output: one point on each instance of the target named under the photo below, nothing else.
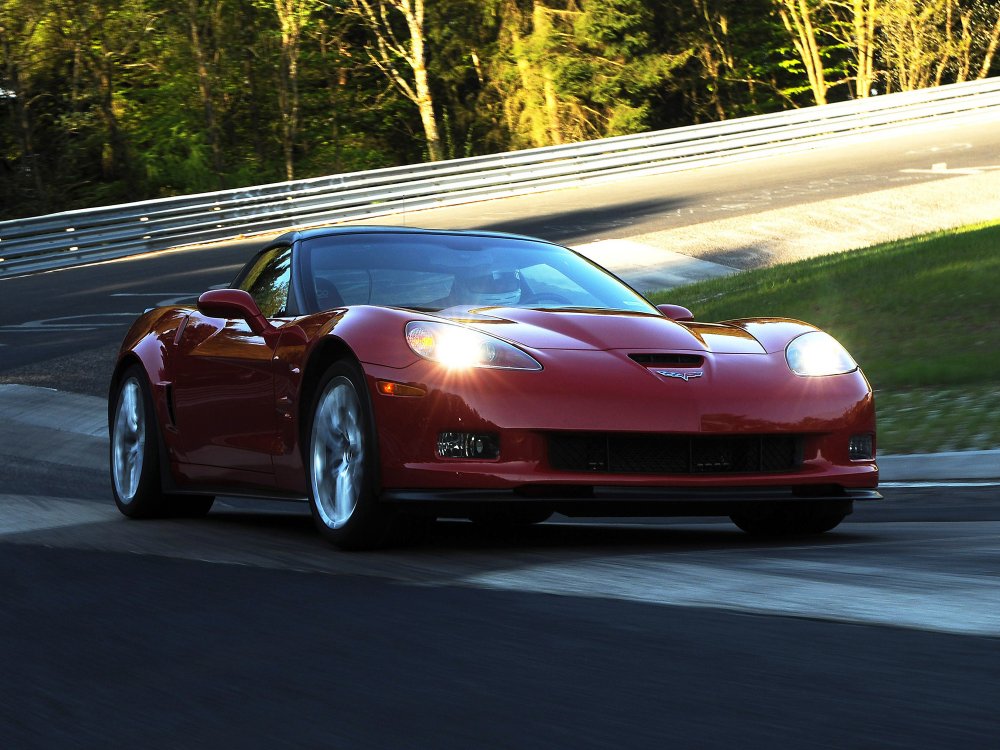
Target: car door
(224, 381)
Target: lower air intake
(616, 453)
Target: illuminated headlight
(483, 445)
(459, 348)
(816, 353)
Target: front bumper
(606, 393)
(625, 502)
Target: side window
(268, 279)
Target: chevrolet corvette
(389, 376)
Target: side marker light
(391, 388)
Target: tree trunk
(425, 103)
(291, 15)
(864, 42)
(551, 106)
(388, 48)
(205, 89)
(115, 158)
(796, 16)
(26, 135)
(991, 49)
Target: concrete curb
(953, 466)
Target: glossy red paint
(676, 312)
(232, 392)
(233, 304)
(237, 396)
(524, 406)
(223, 385)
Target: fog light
(861, 447)
(479, 445)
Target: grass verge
(921, 315)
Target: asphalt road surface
(245, 629)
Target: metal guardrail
(88, 235)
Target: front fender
(149, 343)
(774, 334)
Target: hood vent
(668, 358)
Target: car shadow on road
(559, 537)
(575, 224)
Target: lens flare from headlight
(816, 354)
(456, 347)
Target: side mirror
(233, 304)
(676, 312)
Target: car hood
(602, 330)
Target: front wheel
(791, 519)
(342, 463)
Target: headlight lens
(816, 353)
(456, 347)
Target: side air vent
(170, 404)
(668, 358)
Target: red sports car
(390, 375)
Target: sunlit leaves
(103, 101)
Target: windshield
(433, 272)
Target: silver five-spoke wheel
(341, 461)
(338, 452)
(128, 442)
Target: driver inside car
(493, 288)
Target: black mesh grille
(673, 454)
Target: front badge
(685, 376)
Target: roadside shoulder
(950, 465)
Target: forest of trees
(106, 101)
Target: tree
(859, 18)
(293, 16)
(382, 19)
(19, 59)
(568, 71)
(461, 34)
(105, 36)
(201, 17)
(916, 43)
(736, 65)
(103, 101)
(804, 21)
(929, 42)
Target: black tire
(341, 458)
(800, 518)
(134, 456)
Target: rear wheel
(342, 463)
(791, 519)
(135, 457)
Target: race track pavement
(246, 629)
(844, 576)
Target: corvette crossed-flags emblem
(685, 376)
